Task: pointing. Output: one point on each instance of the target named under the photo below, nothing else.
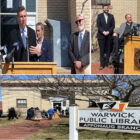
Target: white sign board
(127, 120)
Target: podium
(29, 68)
(132, 55)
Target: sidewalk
(95, 69)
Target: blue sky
(27, 77)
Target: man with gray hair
(79, 49)
(43, 49)
(125, 29)
(127, 26)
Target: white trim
(24, 3)
(28, 13)
(8, 13)
(37, 11)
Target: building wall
(138, 11)
(84, 103)
(34, 99)
(52, 9)
(42, 10)
(9, 96)
(63, 10)
(118, 8)
(121, 7)
(75, 9)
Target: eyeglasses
(78, 21)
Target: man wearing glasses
(80, 48)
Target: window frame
(94, 2)
(21, 105)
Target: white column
(73, 132)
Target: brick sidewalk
(23, 130)
(95, 70)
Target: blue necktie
(24, 38)
(80, 41)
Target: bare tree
(110, 87)
(124, 85)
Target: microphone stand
(13, 60)
(27, 49)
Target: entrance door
(57, 106)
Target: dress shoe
(101, 68)
(109, 66)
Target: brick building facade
(63, 10)
(118, 8)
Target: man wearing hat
(79, 49)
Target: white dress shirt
(106, 17)
(39, 44)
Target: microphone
(2, 48)
(11, 54)
(136, 29)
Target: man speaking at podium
(24, 37)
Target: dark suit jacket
(46, 49)
(83, 54)
(21, 53)
(103, 26)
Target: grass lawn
(4, 121)
(60, 131)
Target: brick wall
(138, 11)
(63, 10)
(75, 9)
(121, 7)
(42, 11)
(53, 9)
(118, 8)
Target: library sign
(127, 120)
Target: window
(21, 103)
(100, 2)
(31, 5)
(64, 103)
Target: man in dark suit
(79, 49)
(106, 25)
(43, 50)
(21, 38)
